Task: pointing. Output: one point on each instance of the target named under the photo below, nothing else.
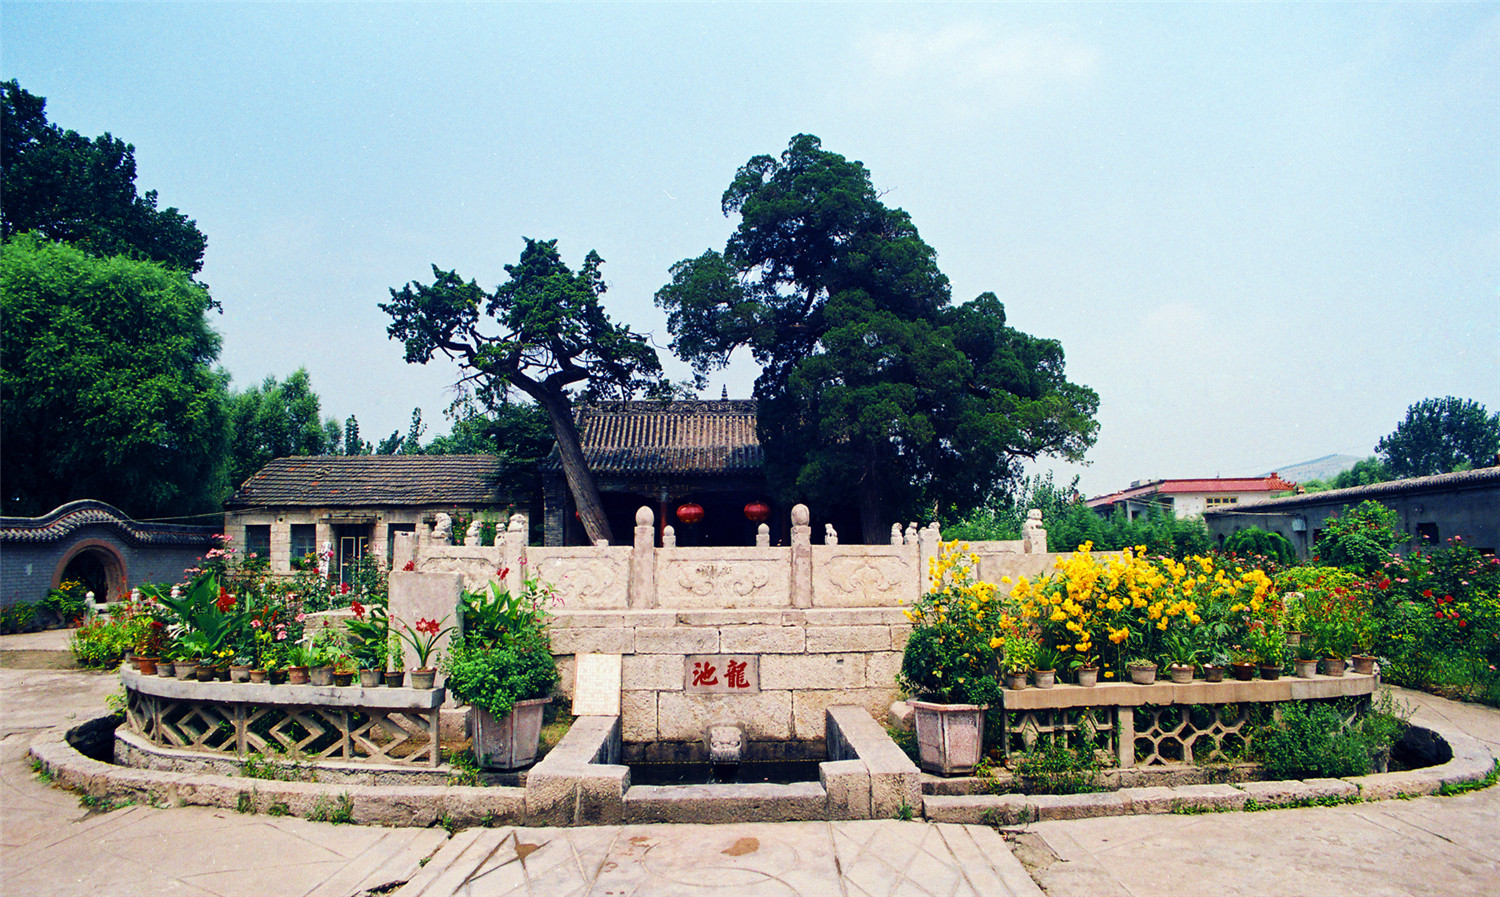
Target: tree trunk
(580, 479)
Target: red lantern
(689, 513)
(757, 512)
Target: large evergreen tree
(1440, 436)
(873, 384)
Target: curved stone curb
(1471, 762)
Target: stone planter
(509, 743)
(1364, 664)
(1044, 678)
(1143, 675)
(320, 675)
(423, 678)
(1306, 669)
(1088, 677)
(1334, 666)
(950, 737)
(369, 678)
(1181, 673)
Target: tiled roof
(1484, 477)
(75, 514)
(1272, 483)
(371, 481)
(694, 438)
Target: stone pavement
(50, 844)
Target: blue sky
(1259, 231)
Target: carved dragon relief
(861, 575)
(588, 582)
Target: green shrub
(1255, 541)
(1310, 741)
(1057, 768)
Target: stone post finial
(830, 535)
(763, 536)
(472, 536)
(911, 534)
(801, 556)
(643, 561)
(1033, 535)
(668, 537)
(895, 534)
(513, 557)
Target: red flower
(427, 625)
(410, 566)
(225, 601)
(1427, 593)
(359, 609)
(1463, 622)
(343, 588)
(503, 572)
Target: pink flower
(301, 617)
(255, 624)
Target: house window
(304, 543)
(258, 541)
(1216, 500)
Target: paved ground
(50, 844)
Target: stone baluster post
(895, 534)
(763, 536)
(801, 557)
(668, 537)
(931, 540)
(643, 561)
(514, 558)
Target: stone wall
(813, 625)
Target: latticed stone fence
(311, 722)
(1165, 723)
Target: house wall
(325, 520)
(1471, 513)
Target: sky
(1260, 232)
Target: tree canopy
(67, 187)
(1441, 436)
(543, 332)
(873, 384)
(108, 388)
(276, 420)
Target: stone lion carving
(473, 535)
(442, 529)
(1033, 536)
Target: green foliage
(495, 678)
(1160, 531)
(1449, 789)
(1310, 741)
(1360, 539)
(873, 390)
(1255, 541)
(63, 186)
(1055, 767)
(1439, 436)
(338, 812)
(1003, 519)
(259, 766)
(543, 332)
(19, 617)
(108, 388)
(204, 616)
(103, 643)
(277, 420)
(369, 635)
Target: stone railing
(647, 576)
(312, 722)
(1164, 723)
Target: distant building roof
(62, 521)
(1444, 482)
(371, 481)
(644, 437)
(1204, 486)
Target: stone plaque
(596, 685)
(722, 674)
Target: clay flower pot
(1333, 666)
(1242, 672)
(257, 675)
(1143, 675)
(1364, 664)
(1015, 681)
(1181, 672)
(1270, 671)
(1044, 678)
(296, 675)
(1213, 672)
(320, 675)
(393, 678)
(424, 678)
(239, 673)
(147, 665)
(369, 678)
(1088, 677)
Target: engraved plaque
(721, 674)
(596, 685)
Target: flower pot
(166, 669)
(1306, 669)
(369, 678)
(1364, 664)
(1333, 666)
(950, 737)
(509, 743)
(257, 675)
(1181, 672)
(1213, 672)
(1143, 675)
(239, 673)
(320, 675)
(343, 678)
(207, 673)
(393, 678)
(1270, 671)
(1015, 681)
(423, 678)
(1088, 677)
(147, 665)
(1242, 672)
(1293, 639)
(296, 675)
(1044, 678)
(186, 669)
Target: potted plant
(1242, 661)
(1045, 662)
(300, 658)
(1019, 658)
(1269, 645)
(369, 633)
(1305, 659)
(1182, 656)
(325, 647)
(423, 638)
(949, 666)
(1217, 665)
(501, 665)
(1142, 670)
(1086, 670)
(397, 672)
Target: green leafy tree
(353, 445)
(1361, 538)
(1441, 436)
(1253, 541)
(542, 332)
(108, 389)
(873, 387)
(278, 420)
(66, 187)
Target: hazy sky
(1260, 231)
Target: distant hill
(1324, 468)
